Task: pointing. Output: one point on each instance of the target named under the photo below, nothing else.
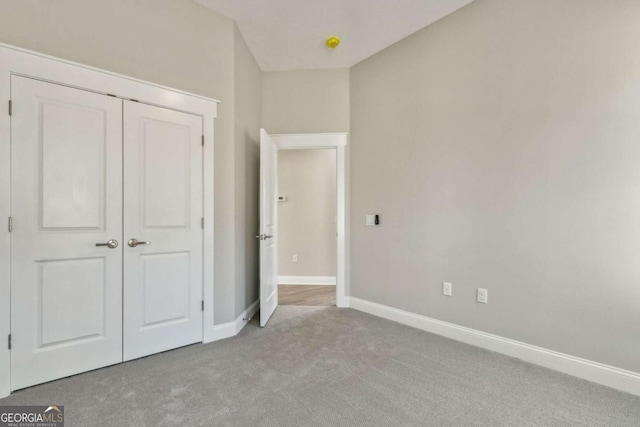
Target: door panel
(72, 168)
(268, 227)
(166, 288)
(163, 206)
(66, 293)
(166, 150)
(58, 314)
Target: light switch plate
(370, 220)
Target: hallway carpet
(324, 366)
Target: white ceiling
(290, 34)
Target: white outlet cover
(447, 289)
(295, 258)
(483, 296)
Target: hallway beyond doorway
(319, 295)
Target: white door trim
(22, 62)
(5, 237)
(337, 141)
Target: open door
(268, 227)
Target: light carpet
(324, 366)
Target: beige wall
(501, 147)
(177, 43)
(306, 221)
(310, 101)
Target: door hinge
(203, 140)
(202, 223)
(10, 224)
(9, 342)
(10, 107)
(202, 305)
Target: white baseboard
(610, 376)
(233, 328)
(306, 280)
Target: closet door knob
(135, 242)
(111, 244)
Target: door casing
(21, 62)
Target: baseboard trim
(233, 328)
(306, 280)
(246, 315)
(609, 376)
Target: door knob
(135, 242)
(111, 244)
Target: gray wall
(177, 43)
(307, 220)
(501, 147)
(248, 94)
(309, 101)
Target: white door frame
(337, 141)
(17, 61)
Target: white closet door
(66, 292)
(163, 212)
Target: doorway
(270, 146)
(307, 221)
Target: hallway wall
(307, 220)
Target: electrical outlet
(295, 258)
(483, 296)
(447, 289)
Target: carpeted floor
(323, 366)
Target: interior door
(66, 291)
(162, 229)
(268, 227)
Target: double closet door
(106, 246)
